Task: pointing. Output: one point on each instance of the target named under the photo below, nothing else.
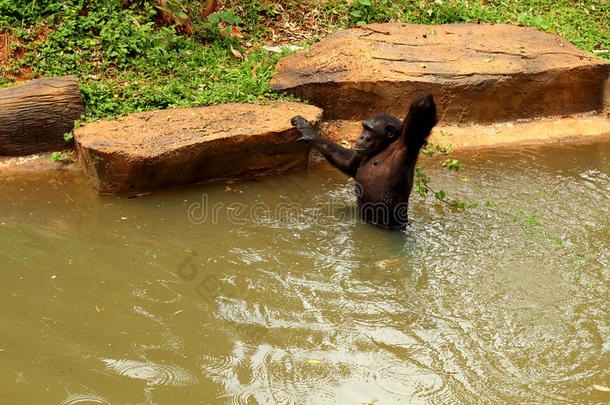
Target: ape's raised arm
(343, 159)
(417, 125)
(383, 160)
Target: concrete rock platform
(477, 73)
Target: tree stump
(34, 116)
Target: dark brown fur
(382, 161)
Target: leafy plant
(531, 223)
(126, 62)
(174, 7)
(59, 156)
(20, 12)
(366, 11)
(215, 21)
(255, 13)
(422, 180)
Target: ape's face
(377, 133)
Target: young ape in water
(382, 161)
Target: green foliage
(175, 8)
(254, 14)
(452, 164)
(367, 11)
(107, 36)
(20, 12)
(191, 78)
(421, 180)
(126, 62)
(215, 20)
(429, 149)
(59, 156)
(530, 222)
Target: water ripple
(75, 399)
(152, 373)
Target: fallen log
(34, 116)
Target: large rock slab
(145, 151)
(477, 73)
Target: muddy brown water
(274, 292)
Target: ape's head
(377, 133)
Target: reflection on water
(117, 300)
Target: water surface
(274, 292)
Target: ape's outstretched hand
(299, 122)
(344, 159)
(308, 134)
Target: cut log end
(35, 116)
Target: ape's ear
(390, 131)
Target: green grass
(125, 62)
(585, 23)
(192, 76)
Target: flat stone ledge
(156, 149)
(478, 73)
(35, 163)
(584, 127)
